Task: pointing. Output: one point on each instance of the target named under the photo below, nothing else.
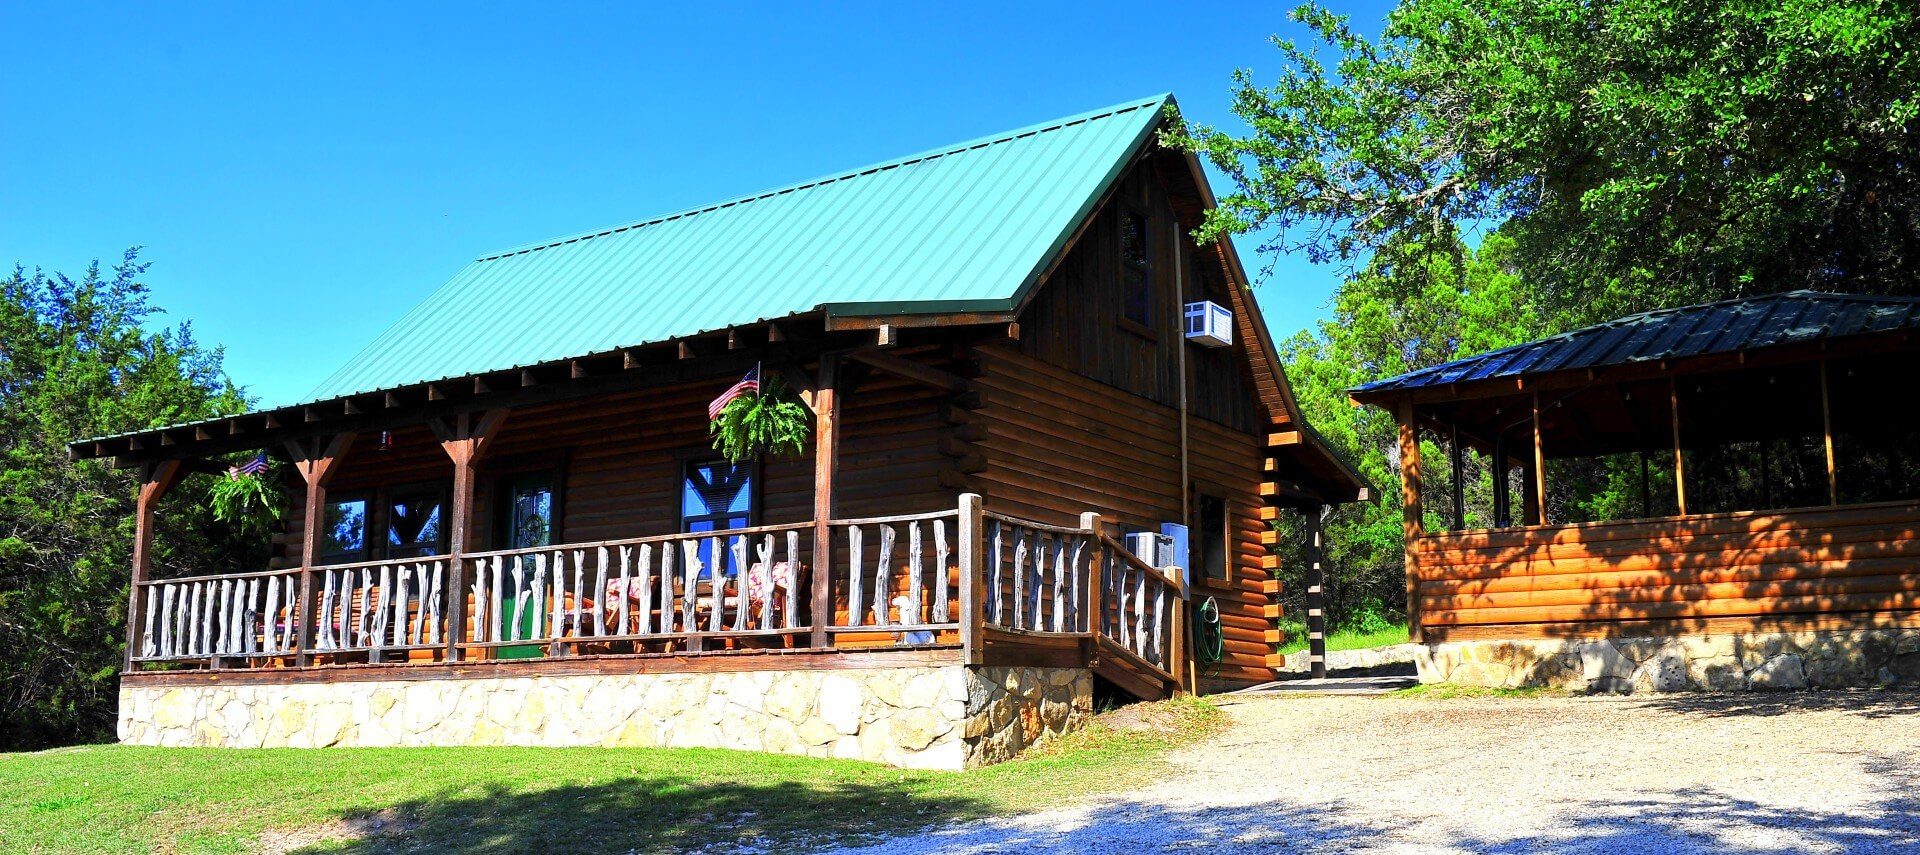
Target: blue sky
(301, 175)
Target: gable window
(343, 531)
(716, 495)
(1210, 537)
(1136, 271)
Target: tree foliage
(76, 360)
(1640, 153)
(1609, 157)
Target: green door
(527, 515)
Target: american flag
(749, 383)
(251, 467)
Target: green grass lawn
(1345, 639)
(112, 798)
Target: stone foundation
(1011, 709)
(1721, 663)
(937, 717)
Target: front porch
(963, 635)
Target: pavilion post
(1826, 427)
(1459, 478)
(1412, 524)
(1679, 459)
(156, 480)
(1539, 467)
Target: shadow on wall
(1701, 821)
(652, 814)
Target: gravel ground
(1795, 772)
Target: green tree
(1640, 153)
(1416, 303)
(76, 361)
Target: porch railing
(941, 578)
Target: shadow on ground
(652, 814)
(1693, 821)
(1867, 703)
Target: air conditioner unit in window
(1152, 547)
(1209, 324)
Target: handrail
(1127, 556)
(649, 539)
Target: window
(415, 523)
(343, 532)
(1136, 271)
(1210, 537)
(716, 495)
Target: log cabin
(1715, 497)
(1046, 426)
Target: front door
(526, 521)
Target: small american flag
(251, 467)
(749, 383)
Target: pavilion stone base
(939, 717)
(1721, 663)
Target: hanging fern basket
(772, 422)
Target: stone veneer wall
(1752, 661)
(938, 717)
(1010, 709)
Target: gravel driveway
(1795, 772)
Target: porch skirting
(1730, 662)
(928, 717)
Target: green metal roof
(968, 227)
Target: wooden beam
(1412, 524)
(1282, 438)
(922, 374)
(888, 337)
(826, 462)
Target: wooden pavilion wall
(1804, 569)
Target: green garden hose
(1209, 643)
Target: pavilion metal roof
(968, 227)
(1709, 328)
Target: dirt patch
(281, 841)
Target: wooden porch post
(969, 558)
(1826, 424)
(826, 461)
(156, 480)
(466, 441)
(1317, 596)
(1457, 458)
(1413, 526)
(1679, 460)
(316, 464)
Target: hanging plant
(248, 497)
(771, 422)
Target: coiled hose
(1209, 642)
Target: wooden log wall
(1814, 568)
(621, 457)
(1073, 322)
(1058, 444)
